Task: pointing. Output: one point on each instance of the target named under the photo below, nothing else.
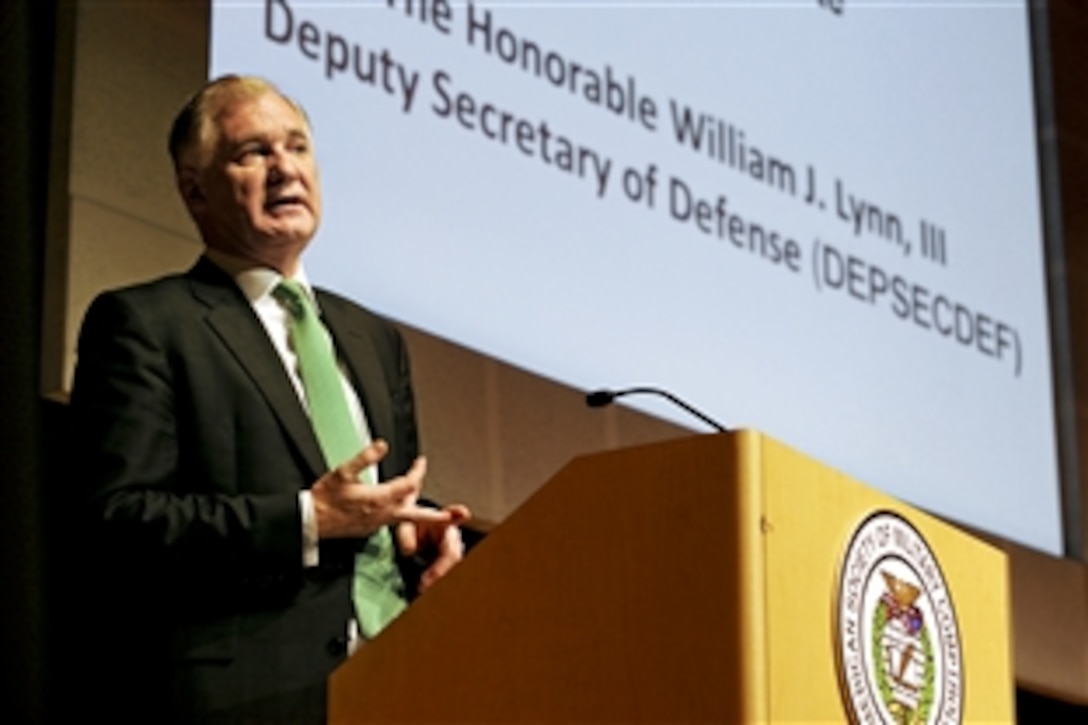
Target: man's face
(253, 189)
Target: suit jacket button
(337, 646)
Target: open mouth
(285, 203)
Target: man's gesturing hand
(346, 507)
(438, 543)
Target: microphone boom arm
(601, 398)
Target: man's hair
(193, 122)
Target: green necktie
(377, 588)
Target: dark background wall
(26, 80)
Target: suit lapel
(232, 319)
(356, 347)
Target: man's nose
(283, 165)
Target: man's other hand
(437, 542)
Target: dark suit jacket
(194, 447)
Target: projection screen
(818, 219)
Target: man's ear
(192, 193)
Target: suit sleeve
(142, 477)
(404, 407)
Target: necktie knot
(293, 297)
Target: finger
(401, 492)
(407, 538)
(450, 555)
(439, 568)
(365, 458)
(414, 534)
(418, 470)
(459, 513)
(406, 488)
(420, 515)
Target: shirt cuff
(309, 528)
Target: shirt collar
(255, 281)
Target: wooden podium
(706, 579)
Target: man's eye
(251, 155)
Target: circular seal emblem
(899, 651)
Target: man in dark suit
(225, 545)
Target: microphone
(601, 398)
